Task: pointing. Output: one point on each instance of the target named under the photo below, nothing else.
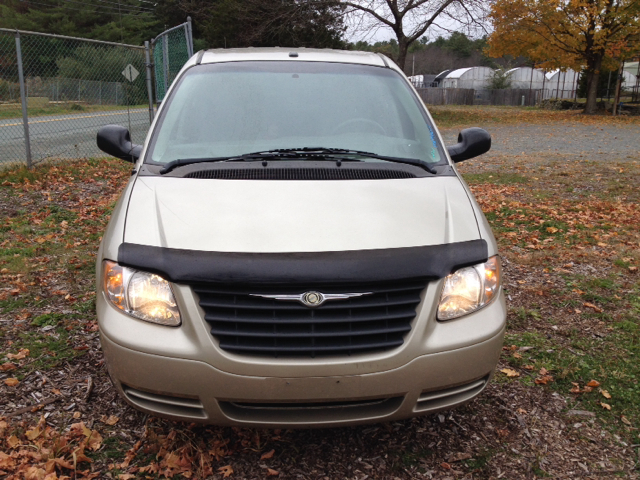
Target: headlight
(146, 296)
(469, 289)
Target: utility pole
(616, 99)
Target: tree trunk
(403, 48)
(593, 75)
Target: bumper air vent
(165, 404)
(300, 174)
(254, 325)
(436, 400)
(293, 413)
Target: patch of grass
(479, 461)
(47, 319)
(45, 350)
(59, 214)
(612, 361)
(20, 174)
(538, 471)
(59, 109)
(86, 307)
(521, 316)
(13, 304)
(113, 448)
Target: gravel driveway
(577, 139)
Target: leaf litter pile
(565, 401)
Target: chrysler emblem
(313, 299)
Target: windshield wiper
(318, 153)
(360, 153)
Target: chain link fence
(171, 50)
(469, 96)
(71, 87)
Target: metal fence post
(189, 37)
(147, 57)
(165, 62)
(23, 100)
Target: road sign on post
(130, 73)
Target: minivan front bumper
(191, 390)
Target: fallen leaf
(458, 457)
(528, 367)
(633, 269)
(543, 371)
(226, 471)
(593, 383)
(517, 355)
(509, 372)
(11, 382)
(544, 380)
(34, 473)
(266, 456)
(552, 229)
(94, 439)
(445, 465)
(272, 473)
(33, 433)
(625, 420)
(77, 414)
(22, 353)
(13, 441)
(5, 367)
(594, 307)
(605, 394)
(6, 461)
(111, 420)
(63, 463)
(606, 406)
(151, 468)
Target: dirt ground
(565, 401)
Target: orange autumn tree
(579, 34)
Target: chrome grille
(248, 324)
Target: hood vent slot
(300, 174)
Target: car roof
(289, 54)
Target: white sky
(444, 28)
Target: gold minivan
(295, 248)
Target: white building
(629, 79)
(472, 77)
(526, 78)
(561, 84)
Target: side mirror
(116, 140)
(471, 143)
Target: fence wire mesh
(171, 50)
(72, 88)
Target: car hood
(271, 216)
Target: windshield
(231, 109)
